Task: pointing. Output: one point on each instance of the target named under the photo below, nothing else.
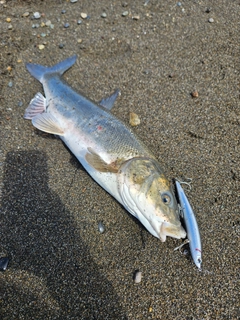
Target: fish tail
(39, 72)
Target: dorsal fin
(109, 101)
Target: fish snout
(171, 230)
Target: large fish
(107, 149)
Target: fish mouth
(171, 230)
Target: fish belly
(107, 180)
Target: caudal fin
(38, 71)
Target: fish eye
(166, 198)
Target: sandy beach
(177, 66)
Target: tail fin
(38, 71)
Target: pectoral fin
(98, 163)
(109, 101)
(47, 123)
(36, 106)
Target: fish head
(147, 194)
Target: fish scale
(117, 142)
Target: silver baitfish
(107, 148)
(190, 221)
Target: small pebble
(179, 4)
(37, 15)
(63, 11)
(48, 23)
(124, 4)
(101, 227)
(73, 1)
(210, 20)
(10, 27)
(79, 21)
(3, 263)
(20, 104)
(66, 25)
(43, 35)
(79, 40)
(137, 276)
(194, 94)
(41, 46)
(9, 68)
(61, 45)
(83, 15)
(19, 61)
(8, 20)
(134, 119)
(25, 14)
(146, 71)
(104, 15)
(136, 17)
(10, 84)
(125, 13)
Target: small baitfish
(107, 149)
(191, 226)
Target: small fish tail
(39, 71)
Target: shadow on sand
(51, 274)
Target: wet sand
(61, 266)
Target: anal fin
(36, 106)
(47, 123)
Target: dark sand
(60, 266)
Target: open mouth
(171, 230)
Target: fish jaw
(146, 194)
(171, 230)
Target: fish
(107, 148)
(190, 222)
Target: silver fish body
(107, 149)
(190, 221)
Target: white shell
(138, 277)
